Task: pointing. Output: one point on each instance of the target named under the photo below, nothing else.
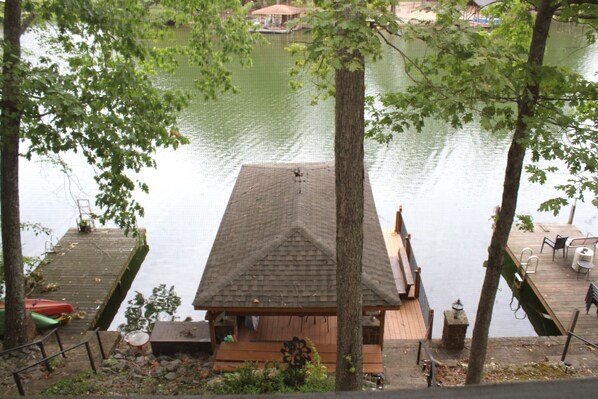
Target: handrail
(572, 334)
(62, 353)
(40, 344)
(17, 378)
(432, 375)
(423, 344)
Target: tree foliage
(472, 75)
(142, 313)
(94, 93)
(499, 79)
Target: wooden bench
(581, 242)
(231, 355)
(406, 269)
(399, 276)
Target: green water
(447, 180)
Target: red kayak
(46, 307)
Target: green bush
(274, 378)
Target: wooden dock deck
(555, 283)
(87, 269)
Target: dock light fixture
(457, 308)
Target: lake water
(448, 181)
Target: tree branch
(27, 21)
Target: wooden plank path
(555, 283)
(87, 269)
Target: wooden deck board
(555, 282)
(232, 355)
(87, 268)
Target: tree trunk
(526, 108)
(10, 121)
(348, 150)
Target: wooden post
(382, 318)
(572, 213)
(408, 246)
(430, 324)
(399, 220)
(418, 281)
(211, 316)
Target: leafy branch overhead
(471, 75)
(339, 42)
(96, 94)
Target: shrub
(274, 378)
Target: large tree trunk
(10, 122)
(526, 108)
(348, 150)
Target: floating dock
(557, 285)
(92, 272)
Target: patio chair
(558, 243)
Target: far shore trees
(92, 93)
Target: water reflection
(447, 180)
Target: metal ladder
(85, 214)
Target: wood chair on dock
(558, 243)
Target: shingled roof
(275, 247)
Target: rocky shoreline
(129, 371)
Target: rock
(140, 359)
(187, 380)
(163, 358)
(159, 370)
(109, 363)
(214, 382)
(118, 356)
(170, 376)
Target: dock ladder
(531, 263)
(86, 220)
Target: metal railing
(431, 362)
(46, 359)
(571, 334)
(40, 344)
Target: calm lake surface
(448, 181)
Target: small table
(585, 265)
(582, 253)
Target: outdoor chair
(558, 243)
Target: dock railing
(420, 291)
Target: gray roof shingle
(275, 247)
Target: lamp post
(457, 308)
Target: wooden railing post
(408, 246)
(399, 220)
(418, 280)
